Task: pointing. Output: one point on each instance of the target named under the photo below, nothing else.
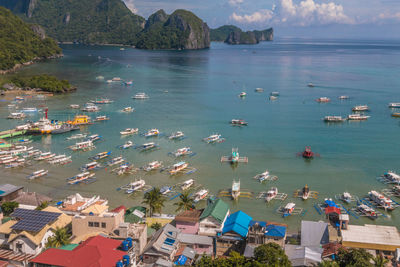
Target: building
(233, 234)
(163, 245)
(30, 200)
(8, 192)
(266, 232)
(75, 204)
(29, 230)
(96, 251)
(213, 217)
(199, 243)
(185, 256)
(314, 234)
(372, 237)
(303, 256)
(188, 221)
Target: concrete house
(8, 192)
(213, 217)
(188, 221)
(199, 243)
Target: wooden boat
(101, 155)
(323, 99)
(80, 178)
(180, 166)
(128, 131)
(396, 114)
(200, 195)
(37, 174)
(238, 122)
(91, 166)
(271, 194)
(367, 211)
(380, 200)
(152, 132)
(127, 145)
(288, 209)
(176, 135)
(235, 191)
(83, 146)
(154, 165)
(187, 184)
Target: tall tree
(185, 202)
(271, 254)
(354, 257)
(154, 200)
(60, 238)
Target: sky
(369, 19)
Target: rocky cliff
(233, 35)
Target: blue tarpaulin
(181, 260)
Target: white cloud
(303, 13)
(389, 16)
(131, 5)
(235, 2)
(257, 17)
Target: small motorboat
(310, 85)
(101, 101)
(259, 90)
(152, 132)
(129, 131)
(200, 195)
(396, 114)
(90, 108)
(271, 194)
(274, 94)
(16, 115)
(238, 122)
(357, 117)
(37, 174)
(154, 165)
(360, 108)
(323, 100)
(127, 145)
(394, 105)
(177, 135)
(129, 83)
(305, 192)
(307, 153)
(272, 97)
(187, 184)
(128, 109)
(116, 79)
(243, 94)
(344, 97)
(140, 96)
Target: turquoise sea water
(203, 88)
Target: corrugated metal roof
(303, 256)
(6, 189)
(217, 209)
(314, 233)
(237, 222)
(195, 239)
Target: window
(6, 235)
(90, 224)
(103, 225)
(19, 245)
(96, 224)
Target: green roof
(132, 218)
(69, 247)
(216, 209)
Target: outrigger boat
(45, 156)
(147, 146)
(272, 97)
(187, 184)
(101, 155)
(77, 136)
(200, 195)
(115, 161)
(154, 165)
(380, 200)
(90, 108)
(94, 137)
(357, 117)
(259, 90)
(101, 118)
(176, 135)
(83, 146)
(271, 194)
(128, 109)
(394, 105)
(238, 122)
(101, 101)
(367, 211)
(184, 151)
(9, 159)
(178, 167)
(128, 131)
(134, 186)
(140, 96)
(91, 166)
(152, 132)
(215, 138)
(346, 197)
(274, 93)
(61, 161)
(391, 177)
(344, 97)
(165, 190)
(37, 174)
(243, 94)
(74, 106)
(127, 145)
(56, 157)
(265, 176)
(29, 110)
(396, 114)
(16, 115)
(235, 191)
(123, 169)
(234, 157)
(306, 193)
(323, 100)
(360, 108)
(81, 177)
(288, 209)
(16, 164)
(334, 119)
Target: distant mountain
(21, 42)
(180, 30)
(233, 35)
(83, 21)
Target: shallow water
(203, 88)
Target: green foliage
(380, 261)
(271, 254)
(220, 34)
(45, 82)
(43, 205)
(9, 207)
(327, 263)
(185, 202)
(60, 238)
(156, 226)
(354, 258)
(155, 200)
(19, 43)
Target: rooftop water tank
(126, 260)
(125, 246)
(119, 264)
(130, 242)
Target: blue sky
(309, 18)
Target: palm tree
(327, 263)
(186, 202)
(380, 261)
(154, 200)
(59, 239)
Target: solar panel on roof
(33, 220)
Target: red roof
(330, 210)
(3, 263)
(118, 209)
(96, 251)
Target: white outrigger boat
(17, 163)
(367, 211)
(115, 161)
(234, 158)
(128, 109)
(347, 197)
(82, 146)
(101, 101)
(394, 105)
(37, 174)
(61, 161)
(147, 146)
(74, 106)
(124, 168)
(238, 122)
(101, 155)
(154, 165)
(16, 115)
(214, 138)
(45, 156)
(85, 177)
(391, 177)
(133, 186)
(101, 118)
(288, 209)
(165, 190)
(334, 119)
(243, 94)
(344, 97)
(77, 136)
(271, 194)
(152, 132)
(360, 108)
(235, 191)
(323, 99)
(200, 195)
(381, 201)
(184, 151)
(29, 110)
(91, 166)
(8, 159)
(128, 131)
(357, 117)
(94, 137)
(178, 167)
(90, 108)
(187, 184)
(177, 135)
(127, 145)
(265, 176)
(140, 96)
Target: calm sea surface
(202, 98)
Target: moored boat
(334, 119)
(200, 195)
(346, 197)
(101, 101)
(180, 166)
(176, 135)
(380, 200)
(187, 184)
(90, 108)
(238, 122)
(367, 211)
(396, 114)
(323, 99)
(243, 94)
(259, 90)
(288, 209)
(86, 145)
(74, 106)
(305, 192)
(271, 194)
(101, 118)
(93, 137)
(101, 155)
(152, 132)
(215, 138)
(115, 161)
(344, 97)
(127, 109)
(37, 174)
(91, 166)
(128, 131)
(16, 115)
(394, 105)
(182, 152)
(235, 191)
(392, 177)
(154, 165)
(357, 117)
(360, 108)
(76, 136)
(45, 156)
(127, 145)
(134, 186)
(147, 146)
(262, 176)
(140, 96)
(81, 177)
(165, 190)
